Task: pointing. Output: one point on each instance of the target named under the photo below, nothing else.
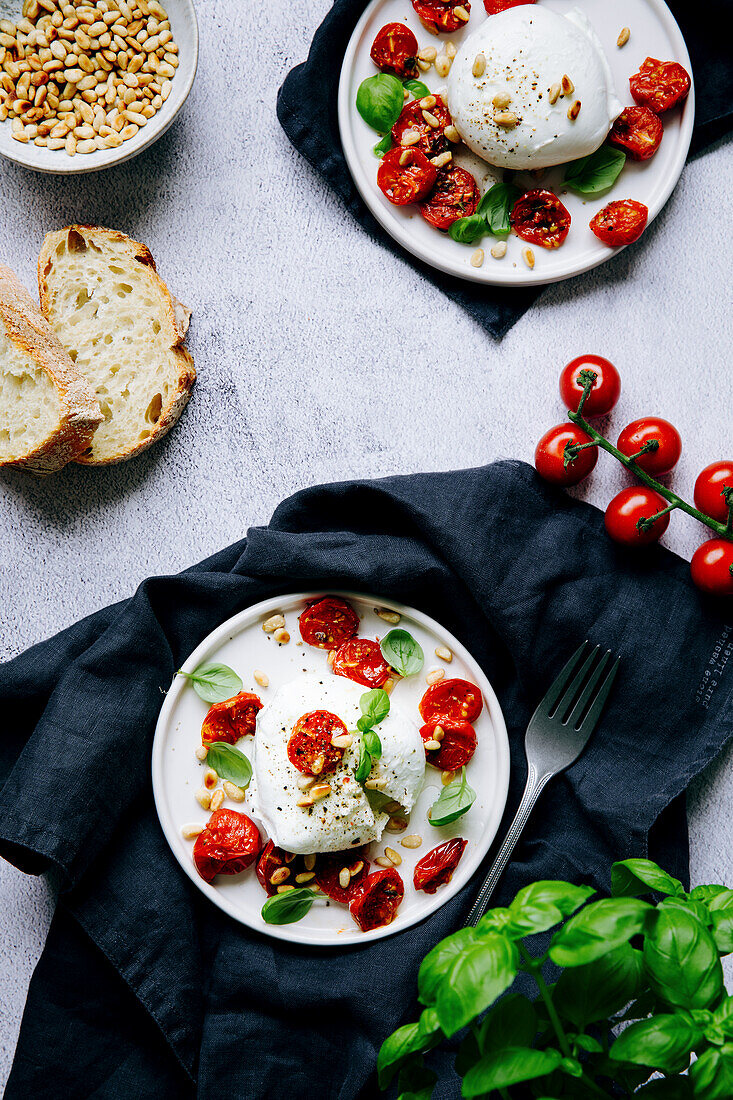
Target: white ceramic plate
(242, 644)
(654, 33)
(182, 15)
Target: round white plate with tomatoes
(653, 33)
(280, 656)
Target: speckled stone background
(322, 357)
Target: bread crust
(173, 314)
(80, 412)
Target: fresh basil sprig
(214, 683)
(364, 766)
(402, 652)
(287, 908)
(383, 146)
(492, 215)
(417, 88)
(379, 100)
(595, 173)
(230, 763)
(455, 799)
(374, 706)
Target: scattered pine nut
(507, 119)
(394, 857)
(405, 158)
(443, 64)
(438, 733)
(424, 66)
(450, 49)
(392, 807)
(288, 856)
(309, 862)
(528, 257)
(624, 37)
(201, 753)
(432, 745)
(319, 790)
(411, 841)
(382, 861)
(304, 802)
(375, 784)
(188, 832)
(261, 678)
(555, 90)
(444, 653)
(435, 676)
(451, 133)
(479, 65)
(281, 636)
(396, 825)
(433, 122)
(305, 782)
(216, 799)
(286, 888)
(428, 53)
(332, 652)
(305, 876)
(211, 778)
(203, 797)
(477, 257)
(388, 685)
(427, 102)
(567, 85)
(355, 868)
(574, 111)
(447, 777)
(232, 791)
(442, 159)
(342, 741)
(273, 623)
(410, 137)
(501, 99)
(460, 12)
(344, 878)
(279, 876)
(498, 250)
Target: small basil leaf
(586, 994)
(543, 904)
(477, 977)
(438, 962)
(705, 893)
(631, 877)
(712, 1074)
(681, 959)
(406, 1040)
(214, 683)
(364, 766)
(364, 723)
(597, 929)
(229, 763)
(595, 173)
(588, 1044)
(467, 230)
(723, 1016)
(373, 744)
(379, 100)
(721, 911)
(496, 206)
(417, 88)
(402, 652)
(454, 801)
(287, 908)
(383, 146)
(695, 907)
(663, 1042)
(374, 705)
(502, 1068)
(512, 1022)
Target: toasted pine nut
(435, 676)
(305, 782)
(201, 753)
(288, 856)
(331, 654)
(451, 133)
(261, 678)
(355, 868)
(392, 807)
(396, 825)
(447, 777)
(203, 797)
(388, 685)
(431, 120)
(460, 12)
(528, 257)
(501, 99)
(555, 90)
(477, 258)
(438, 733)
(305, 876)
(394, 617)
(344, 878)
(443, 64)
(188, 832)
(574, 111)
(286, 888)
(507, 119)
(211, 778)
(427, 102)
(375, 784)
(450, 49)
(498, 250)
(342, 741)
(272, 624)
(432, 745)
(231, 790)
(424, 66)
(382, 861)
(444, 653)
(393, 857)
(405, 158)
(567, 85)
(320, 790)
(304, 802)
(281, 636)
(623, 37)
(309, 862)
(216, 799)
(479, 65)
(442, 159)
(411, 841)
(279, 876)
(428, 53)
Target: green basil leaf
(661, 1042)
(454, 800)
(697, 908)
(478, 976)
(496, 206)
(595, 173)
(502, 1068)
(681, 959)
(402, 652)
(588, 1044)
(468, 230)
(417, 88)
(374, 706)
(214, 683)
(542, 905)
(379, 100)
(437, 963)
(720, 908)
(416, 1081)
(512, 1022)
(372, 743)
(597, 929)
(406, 1040)
(383, 146)
(230, 763)
(364, 767)
(287, 908)
(631, 877)
(712, 1075)
(586, 994)
(723, 1016)
(705, 893)
(363, 724)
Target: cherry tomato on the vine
(606, 388)
(627, 508)
(549, 457)
(711, 567)
(640, 432)
(709, 490)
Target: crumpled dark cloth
(307, 109)
(144, 988)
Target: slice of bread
(48, 412)
(124, 331)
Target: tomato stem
(649, 447)
(588, 379)
(728, 494)
(646, 522)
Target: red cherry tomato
(709, 490)
(361, 660)
(549, 456)
(638, 131)
(540, 218)
(627, 508)
(394, 50)
(232, 719)
(329, 867)
(712, 567)
(454, 196)
(405, 176)
(457, 746)
(376, 902)
(272, 860)
(493, 7)
(644, 430)
(328, 622)
(436, 868)
(229, 844)
(439, 16)
(621, 222)
(659, 85)
(310, 748)
(606, 388)
(432, 138)
(454, 699)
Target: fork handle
(532, 791)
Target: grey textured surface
(322, 357)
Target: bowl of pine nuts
(86, 84)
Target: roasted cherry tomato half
(549, 455)
(454, 699)
(436, 868)
(641, 432)
(712, 567)
(606, 388)
(361, 660)
(540, 218)
(627, 508)
(405, 176)
(660, 85)
(270, 862)
(394, 50)
(310, 748)
(709, 490)
(377, 900)
(229, 844)
(232, 719)
(438, 16)
(454, 196)
(329, 868)
(621, 222)
(328, 622)
(457, 746)
(493, 7)
(638, 131)
(432, 138)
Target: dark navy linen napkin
(307, 109)
(145, 988)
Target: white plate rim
(291, 933)
(496, 275)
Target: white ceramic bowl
(182, 15)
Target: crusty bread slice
(48, 412)
(124, 331)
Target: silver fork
(557, 733)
